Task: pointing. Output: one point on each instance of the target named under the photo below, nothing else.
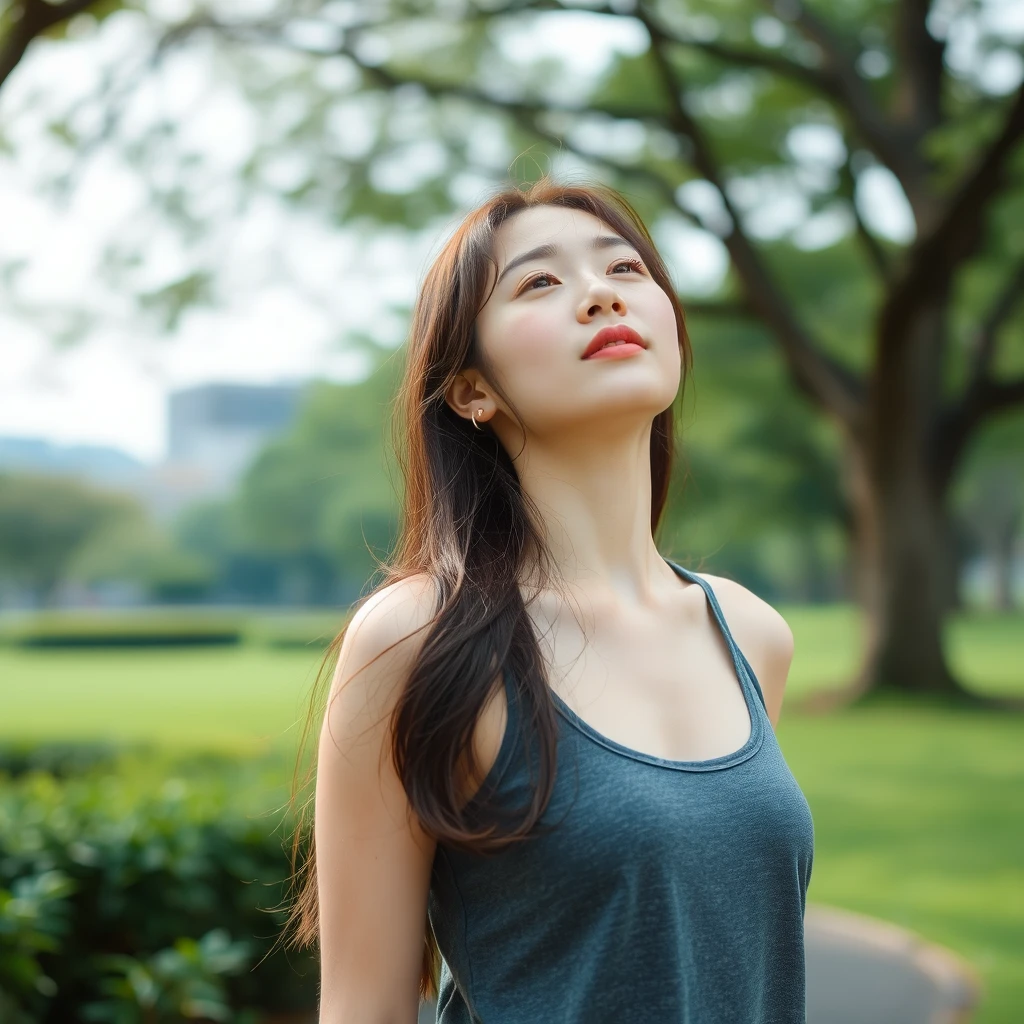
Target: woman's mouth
(614, 343)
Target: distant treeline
(756, 496)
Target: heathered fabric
(671, 892)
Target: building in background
(214, 433)
(222, 426)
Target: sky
(295, 288)
(110, 387)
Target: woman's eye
(632, 264)
(534, 280)
(628, 263)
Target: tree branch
(270, 33)
(982, 396)
(935, 256)
(832, 386)
(848, 187)
(636, 171)
(526, 115)
(984, 341)
(919, 69)
(816, 78)
(31, 18)
(977, 188)
(837, 79)
(894, 147)
(1002, 395)
(956, 425)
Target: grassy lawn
(919, 819)
(919, 812)
(985, 650)
(243, 698)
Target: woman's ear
(469, 396)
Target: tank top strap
(719, 615)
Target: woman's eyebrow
(549, 250)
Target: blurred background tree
(837, 186)
(763, 129)
(317, 507)
(46, 523)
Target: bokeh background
(213, 220)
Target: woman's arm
(373, 862)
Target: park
(220, 418)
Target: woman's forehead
(537, 224)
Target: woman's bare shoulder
(762, 634)
(408, 601)
(751, 608)
(387, 631)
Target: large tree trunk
(902, 532)
(900, 579)
(911, 605)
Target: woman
(543, 747)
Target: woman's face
(545, 310)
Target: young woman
(548, 787)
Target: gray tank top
(669, 892)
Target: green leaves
(146, 891)
(34, 918)
(45, 522)
(184, 980)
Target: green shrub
(147, 894)
(308, 630)
(166, 627)
(60, 758)
(125, 629)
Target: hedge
(146, 894)
(171, 628)
(123, 629)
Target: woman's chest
(612, 817)
(666, 685)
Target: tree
(323, 493)
(990, 497)
(46, 522)
(906, 353)
(21, 21)
(878, 76)
(317, 506)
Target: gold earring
(479, 412)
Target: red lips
(620, 332)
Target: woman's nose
(600, 297)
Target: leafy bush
(146, 895)
(196, 625)
(154, 628)
(60, 758)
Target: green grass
(918, 812)
(919, 819)
(985, 651)
(246, 699)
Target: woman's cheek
(534, 339)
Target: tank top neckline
(752, 696)
(745, 677)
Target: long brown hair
(467, 525)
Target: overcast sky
(110, 388)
